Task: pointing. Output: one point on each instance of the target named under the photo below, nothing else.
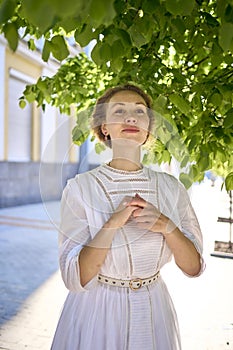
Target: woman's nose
(130, 119)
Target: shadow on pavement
(29, 254)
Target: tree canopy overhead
(179, 51)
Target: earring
(105, 136)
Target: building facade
(36, 151)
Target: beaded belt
(134, 284)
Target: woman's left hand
(149, 217)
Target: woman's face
(126, 117)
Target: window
(19, 123)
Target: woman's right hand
(91, 257)
(121, 214)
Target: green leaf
(69, 24)
(203, 163)
(67, 8)
(117, 49)
(185, 161)
(216, 99)
(124, 37)
(22, 103)
(176, 147)
(220, 154)
(30, 96)
(228, 59)
(179, 25)
(99, 147)
(194, 172)
(168, 126)
(59, 47)
(186, 180)
(46, 50)
(161, 131)
(166, 156)
(226, 37)
(117, 65)
(79, 136)
(150, 7)
(180, 7)
(42, 85)
(160, 104)
(45, 14)
(136, 36)
(11, 34)
(180, 103)
(216, 59)
(180, 45)
(95, 54)
(85, 36)
(228, 121)
(105, 52)
(39, 13)
(228, 16)
(31, 44)
(195, 139)
(7, 9)
(197, 103)
(229, 182)
(101, 12)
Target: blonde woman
(120, 224)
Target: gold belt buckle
(135, 283)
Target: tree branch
(197, 63)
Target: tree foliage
(179, 51)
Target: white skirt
(115, 318)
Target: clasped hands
(145, 214)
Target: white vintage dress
(100, 316)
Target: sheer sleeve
(189, 224)
(73, 235)
(175, 204)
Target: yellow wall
(31, 69)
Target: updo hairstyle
(99, 112)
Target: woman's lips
(131, 130)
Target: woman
(120, 223)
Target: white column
(48, 126)
(2, 98)
(48, 139)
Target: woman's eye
(119, 111)
(140, 111)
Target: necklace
(138, 168)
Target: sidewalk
(31, 290)
(32, 293)
(205, 304)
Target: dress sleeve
(189, 225)
(73, 235)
